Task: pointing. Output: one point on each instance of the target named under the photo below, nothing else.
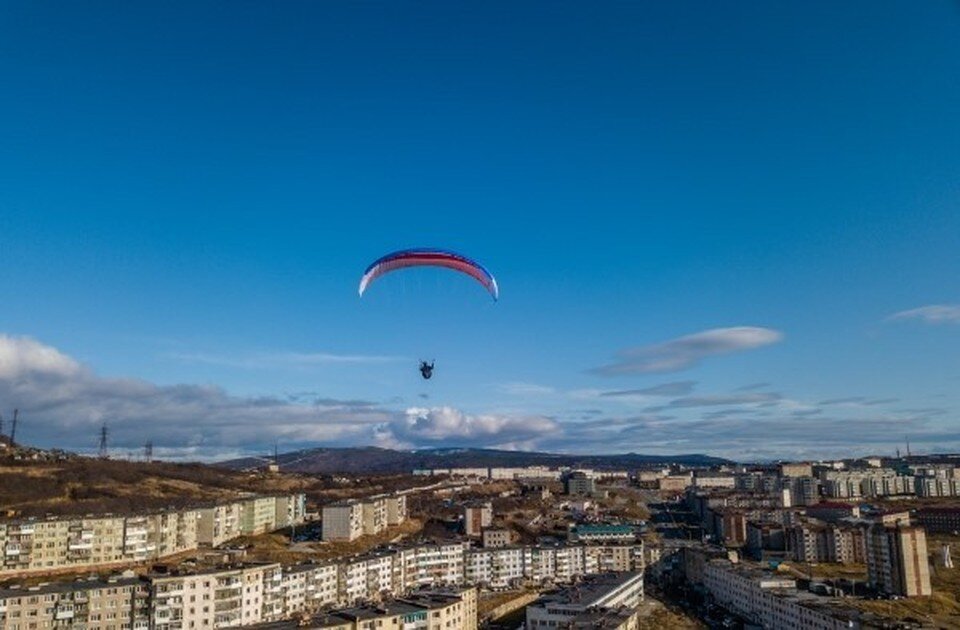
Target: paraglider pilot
(426, 369)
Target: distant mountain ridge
(375, 460)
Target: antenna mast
(102, 449)
(148, 451)
(13, 429)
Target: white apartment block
(494, 568)
(343, 521)
(772, 601)
(606, 591)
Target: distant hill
(373, 460)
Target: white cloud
(931, 314)
(446, 425)
(688, 351)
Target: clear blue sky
(189, 192)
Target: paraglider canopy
(427, 257)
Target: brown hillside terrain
(96, 486)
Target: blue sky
(189, 193)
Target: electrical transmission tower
(102, 450)
(148, 451)
(13, 428)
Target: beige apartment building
(396, 509)
(897, 559)
(217, 599)
(54, 544)
(219, 523)
(374, 515)
(115, 604)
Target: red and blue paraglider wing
(429, 258)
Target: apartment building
(445, 609)
(771, 600)
(430, 565)
(605, 533)
(496, 537)
(115, 604)
(309, 588)
(348, 520)
(477, 517)
(220, 598)
(396, 509)
(597, 593)
(936, 486)
(290, 510)
(939, 520)
(897, 559)
(54, 544)
(494, 568)
(258, 515)
(343, 521)
(797, 469)
(219, 523)
(374, 515)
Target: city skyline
(720, 230)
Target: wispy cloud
(526, 389)
(281, 359)
(685, 352)
(931, 314)
(721, 400)
(677, 388)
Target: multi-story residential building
(219, 523)
(580, 483)
(770, 600)
(603, 533)
(374, 515)
(310, 587)
(798, 469)
(874, 482)
(714, 481)
(258, 516)
(430, 565)
(497, 537)
(936, 486)
(290, 510)
(54, 544)
(804, 490)
(446, 609)
(831, 512)
(815, 541)
(597, 593)
(396, 509)
(939, 520)
(897, 559)
(114, 604)
(494, 568)
(343, 521)
(477, 517)
(217, 598)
